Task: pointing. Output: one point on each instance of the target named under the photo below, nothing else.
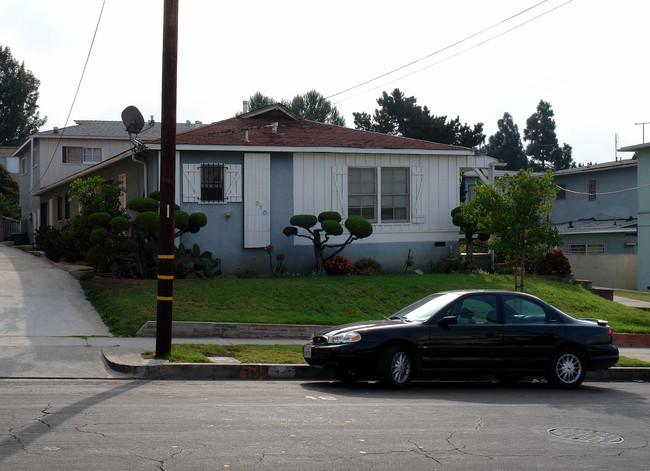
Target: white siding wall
(318, 178)
(50, 157)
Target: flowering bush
(338, 265)
(366, 266)
(553, 263)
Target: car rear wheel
(567, 369)
(395, 366)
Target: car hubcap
(401, 367)
(568, 368)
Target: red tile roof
(257, 129)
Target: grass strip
(279, 354)
(330, 300)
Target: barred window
(212, 186)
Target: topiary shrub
(366, 266)
(306, 221)
(98, 235)
(181, 219)
(142, 205)
(329, 216)
(99, 220)
(196, 222)
(120, 224)
(147, 222)
(97, 255)
(358, 227)
(290, 231)
(332, 227)
(128, 246)
(155, 195)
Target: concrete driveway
(39, 299)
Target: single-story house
(250, 174)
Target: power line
(58, 142)
(603, 193)
(448, 47)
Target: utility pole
(167, 180)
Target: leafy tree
(543, 147)
(96, 195)
(311, 105)
(257, 101)
(515, 210)
(19, 117)
(506, 144)
(330, 225)
(402, 116)
(314, 107)
(9, 195)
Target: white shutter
(191, 183)
(257, 204)
(417, 182)
(340, 190)
(232, 181)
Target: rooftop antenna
(134, 122)
(643, 124)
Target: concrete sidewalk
(48, 329)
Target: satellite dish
(132, 119)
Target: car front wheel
(567, 369)
(395, 367)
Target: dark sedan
(504, 333)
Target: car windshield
(425, 308)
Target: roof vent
(55, 130)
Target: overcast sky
(588, 58)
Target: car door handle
(491, 333)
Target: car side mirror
(447, 321)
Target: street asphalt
(49, 330)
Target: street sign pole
(167, 181)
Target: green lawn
(328, 300)
(276, 354)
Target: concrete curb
(162, 370)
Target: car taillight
(610, 331)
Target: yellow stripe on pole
(165, 298)
(165, 277)
(165, 257)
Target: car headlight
(345, 337)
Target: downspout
(145, 168)
(31, 230)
